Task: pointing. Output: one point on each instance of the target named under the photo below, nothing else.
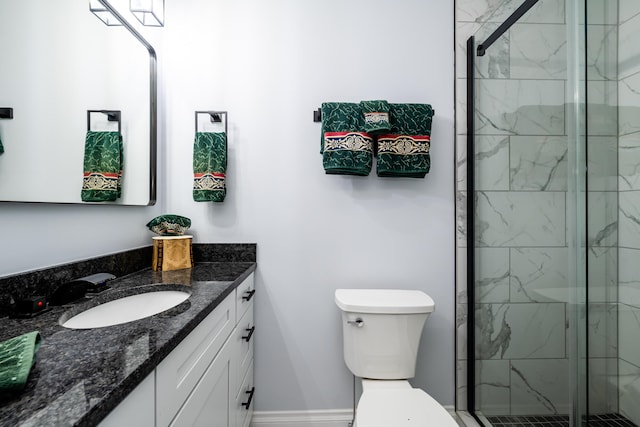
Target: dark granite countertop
(81, 375)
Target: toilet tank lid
(384, 301)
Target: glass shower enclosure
(553, 211)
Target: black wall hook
(6, 113)
(317, 115)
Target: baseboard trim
(326, 418)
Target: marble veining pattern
(603, 274)
(461, 218)
(629, 162)
(538, 51)
(520, 219)
(628, 58)
(629, 388)
(547, 11)
(603, 330)
(602, 158)
(537, 387)
(461, 329)
(629, 104)
(520, 107)
(492, 275)
(629, 204)
(602, 114)
(539, 275)
(492, 162)
(538, 163)
(603, 385)
(602, 49)
(520, 331)
(628, 9)
(629, 280)
(494, 388)
(602, 226)
(629, 329)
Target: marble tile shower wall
(629, 209)
(521, 184)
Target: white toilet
(381, 331)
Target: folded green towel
(404, 152)
(103, 160)
(17, 357)
(346, 149)
(209, 166)
(376, 116)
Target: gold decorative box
(172, 253)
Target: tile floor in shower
(605, 420)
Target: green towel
(346, 149)
(209, 166)
(17, 357)
(376, 116)
(103, 160)
(404, 152)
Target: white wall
(270, 64)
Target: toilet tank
(381, 330)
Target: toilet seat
(401, 407)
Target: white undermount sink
(126, 309)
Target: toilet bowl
(399, 405)
(381, 331)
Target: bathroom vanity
(206, 380)
(192, 362)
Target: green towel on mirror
(376, 116)
(17, 357)
(346, 149)
(103, 160)
(209, 166)
(404, 151)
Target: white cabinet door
(137, 409)
(211, 403)
(180, 371)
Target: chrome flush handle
(357, 323)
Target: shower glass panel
(554, 211)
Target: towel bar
(317, 114)
(112, 116)
(214, 116)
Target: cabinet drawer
(244, 296)
(179, 372)
(243, 338)
(244, 401)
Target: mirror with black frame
(63, 73)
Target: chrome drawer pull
(247, 338)
(248, 402)
(248, 295)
